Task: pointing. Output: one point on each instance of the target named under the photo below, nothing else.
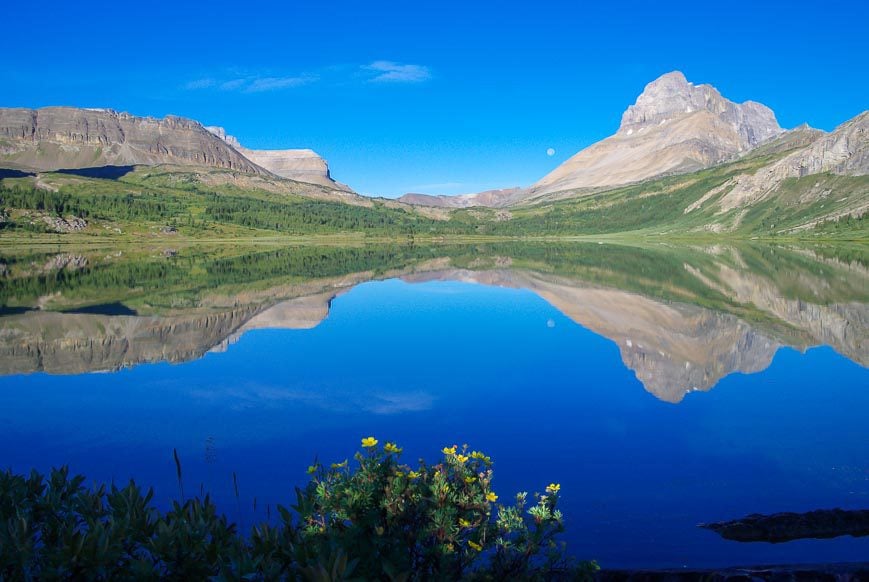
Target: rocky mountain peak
(671, 97)
(675, 127)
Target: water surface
(661, 387)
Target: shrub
(373, 519)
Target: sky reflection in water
(436, 363)
(662, 387)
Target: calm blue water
(433, 364)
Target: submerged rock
(784, 527)
(783, 573)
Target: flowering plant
(372, 519)
(392, 519)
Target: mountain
(686, 160)
(64, 138)
(803, 183)
(54, 138)
(675, 127)
(302, 165)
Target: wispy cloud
(250, 84)
(200, 84)
(233, 84)
(338, 75)
(392, 72)
(273, 83)
(333, 399)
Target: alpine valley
(685, 162)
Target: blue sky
(437, 97)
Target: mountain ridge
(53, 138)
(67, 138)
(491, 198)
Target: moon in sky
(550, 152)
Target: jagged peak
(672, 78)
(672, 96)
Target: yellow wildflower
(450, 450)
(312, 469)
(490, 496)
(553, 488)
(482, 457)
(464, 522)
(475, 545)
(369, 442)
(470, 480)
(412, 475)
(462, 458)
(391, 448)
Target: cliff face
(302, 165)
(671, 97)
(56, 138)
(845, 151)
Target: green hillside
(160, 202)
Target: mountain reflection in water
(683, 318)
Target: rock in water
(785, 527)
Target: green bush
(373, 519)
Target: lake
(661, 386)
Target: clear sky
(436, 97)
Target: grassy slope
(138, 205)
(657, 207)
